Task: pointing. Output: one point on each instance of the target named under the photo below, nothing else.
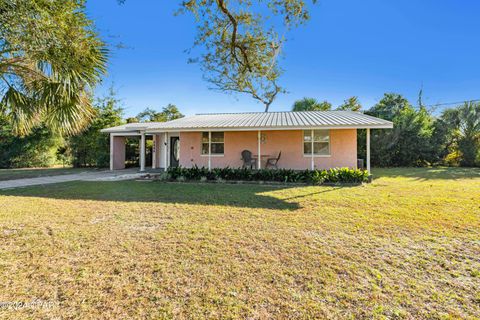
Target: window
(214, 140)
(320, 142)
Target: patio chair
(248, 161)
(272, 162)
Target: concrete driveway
(106, 175)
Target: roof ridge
(270, 112)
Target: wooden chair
(272, 162)
(248, 160)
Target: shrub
(337, 175)
(37, 149)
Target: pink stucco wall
(119, 153)
(343, 149)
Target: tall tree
(241, 42)
(50, 59)
(351, 104)
(148, 115)
(311, 104)
(390, 106)
(168, 113)
(171, 112)
(408, 143)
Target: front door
(174, 151)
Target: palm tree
(465, 121)
(311, 104)
(50, 60)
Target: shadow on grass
(437, 173)
(248, 196)
(14, 174)
(298, 196)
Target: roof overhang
(203, 129)
(156, 131)
(126, 133)
(259, 121)
(125, 130)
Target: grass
(405, 246)
(12, 174)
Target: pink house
(306, 140)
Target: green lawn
(12, 174)
(405, 246)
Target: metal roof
(129, 127)
(262, 121)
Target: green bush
(37, 149)
(337, 175)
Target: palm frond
(22, 112)
(50, 51)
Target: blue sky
(348, 48)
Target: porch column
(259, 159)
(154, 151)
(142, 151)
(209, 150)
(312, 160)
(368, 150)
(165, 143)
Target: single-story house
(306, 140)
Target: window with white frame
(318, 141)
(213, 141)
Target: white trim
(179, 148)
(169, 135)
(379, 126)
(128, 134)
(210, 154)
(312, 155)
(116, 129)
(317, 155)
(213, 155)
(226, 129)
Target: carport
(161, 153)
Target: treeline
(44, 147)
(420, 137)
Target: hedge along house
(306, 140)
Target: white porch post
(154, 152)
(313, 153)
(209, 150)
(368, 150)
(142, 151)
(111, 151)
(165, 141)
(259, 159)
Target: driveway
(106, 175)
